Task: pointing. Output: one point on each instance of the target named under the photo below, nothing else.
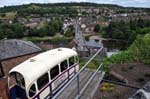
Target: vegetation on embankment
(57, 39)
(139, 51)
(126, 31)
(94, 64)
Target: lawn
(9, 15)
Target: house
(32, 25)
(12, 53)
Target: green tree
(97, 28)
(51, 30)
(68, 33)
(12, 30)
(3, 15)
(141, 49)
(42, 32)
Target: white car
(143, 93)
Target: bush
(58, 40)
(138, 51)
(107, 87)
(103, 89)
(111, 89)
(121, 57)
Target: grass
(34, 7)
(57, 39)
(9, 15)
(92, 65)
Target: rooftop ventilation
(32, 60)
(59, 49)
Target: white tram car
(42, 76)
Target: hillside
(21, 7)
(49, 5)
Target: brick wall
(7, 65)
(3, 89)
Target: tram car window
(71, 61)
(63, 65)
(42, 81)
(32, 90)
(54, 71)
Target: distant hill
(46, 8)
(19, 7)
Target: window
(71, 61)
(63, 65)
(1, 71)
(42, 81)
(32, 91)
(54, 72)
(20, 80)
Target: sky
(125, 3)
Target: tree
(51, 30)
(32, 32)
(97, 28)
(12, 30)
(68, 33)
(42, 32)
(1, 34)
(3, 15)
(141, 49)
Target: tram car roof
(36, 66)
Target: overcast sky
(126, 3)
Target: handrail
(77, 76)
(86, 85)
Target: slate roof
(13, 48)
(93, 43)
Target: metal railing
(79, 92)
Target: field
(8, 15)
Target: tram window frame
(63, 65)
(72, 63)
(53, 73)
(42, 81)
(34, 91)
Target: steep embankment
(139, 51)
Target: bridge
(84, 83)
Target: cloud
(130, 3)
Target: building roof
(14, 48)
(36, 66)
(94, 43)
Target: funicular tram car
(42, 76)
